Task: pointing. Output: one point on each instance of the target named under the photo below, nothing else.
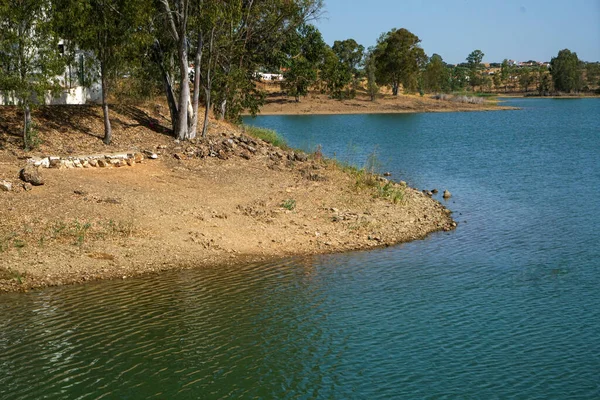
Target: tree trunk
(107, 127)
(206, 111)
(193, 128)
(223, 109)
(184, 91)
(395, 88)
(26, 125)
(159, 59)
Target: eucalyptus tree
(350, 55)
(108, 29)
(259, 32)
(228, 41)
(398, 58)
(304, 52)
(372, 88)
(526, 78)
(436, 76)
(459, 78)
(474, 64)
(30, 60)
(335, 74)
(566, 70)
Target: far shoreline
(320, 104)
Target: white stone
(5, 186)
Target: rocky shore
(229, 198)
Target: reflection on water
(506, 306)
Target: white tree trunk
(107, 127)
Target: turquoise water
(506, 306)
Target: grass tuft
(268, 135)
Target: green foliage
(566, 70)
(372, 88)
(350, 55)
(336, 75)
(30, 61)
(474, 64)
(436, 77)
(398, 58)
(305, 48)
(526, 78)
(458, 78)
(32, 138)
(289, 204)
(268, 135)
(592, 74)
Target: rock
(27, 186)
(55, 163)
(245, 155)
(138, 157)
(151, 155)
(434, 191)
(178, 156)
(93, 163)
(387, 174)
(5, 186)
(44, 163)
(102, 163)
(31, 174)
(447, 194)
(302, 157)
(130, 162)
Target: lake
(506, 306)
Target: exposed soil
(314, 103)
(225, 205)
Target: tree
(30, 61)
(592, 74)
(436, 77)
(497, 79)
(526, 78)
(398, 57)
(306, 49)
(372, 88)
(507, 74)
(108, 29)
(458, 78)
(350, 55)
(566, 71)
(474, 64)
(544, 81)
(335, 74)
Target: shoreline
(252, 202)
(318, 104)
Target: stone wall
(90, 161)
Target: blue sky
(518, 30)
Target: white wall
(76, 95)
